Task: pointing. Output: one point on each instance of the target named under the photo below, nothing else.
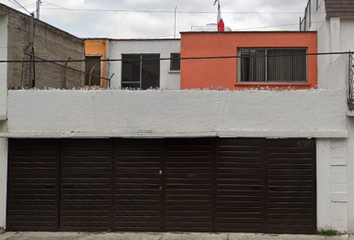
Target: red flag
(220, 21)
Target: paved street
(158, 236)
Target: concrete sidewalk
(159, 236)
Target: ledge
(3, 117)
(142, 134)
(350, 113)
(104, 135)
(284, 134)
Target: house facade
(248, 60)
(135, 63)
(244, 146)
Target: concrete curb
(159, 236)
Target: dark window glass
(150, 71)
(175, 62)
(286, 65)
(131, 69)
(93, 71)
(141, 71)
(273, 65)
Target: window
(273, 65)
(175, 62)
(141, 71)
(93, 71)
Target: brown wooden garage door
(33, 174)
(220, 185)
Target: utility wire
(162, 11)
(19, 5)
(58, 7)
(186, 58)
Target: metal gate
(193, 185)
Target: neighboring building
(274, 156)
(334, 22)
(141, 67)
(50, 43)
(266, 59)
(96, 50)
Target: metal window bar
(351, 82)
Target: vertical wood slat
(292, 186)
(189, 180)
(239, 186)
(86, 185)
(137, 185)
(32, 185)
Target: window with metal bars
(141, 71)
(93, 71)
(272, 65)
(175, 62)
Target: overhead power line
(186, 58)
(19, 5)
(162, 11)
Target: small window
(141, 71)
(93, 71)
(175, 62)
(273, 65)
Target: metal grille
(32, 186)
(86, 171)
(351, 82)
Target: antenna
(38, 8)
(175, 25)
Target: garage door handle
(50, 186)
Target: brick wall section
(50, 44)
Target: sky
(155, 18)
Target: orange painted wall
(222, 73)
(98, 47)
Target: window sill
(174, 72)
(271, 84)
(274, 86)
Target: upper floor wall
(97, 49)
(248, 60)
(135, 63)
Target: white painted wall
(350, 176)
(3, 66)
(316, 113)
(168, 80)
(337, 35)
(335, 76)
